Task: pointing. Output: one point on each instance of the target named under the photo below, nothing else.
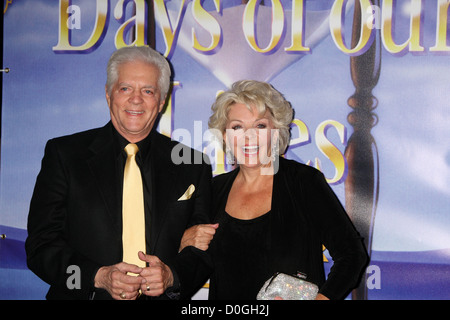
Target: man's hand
(198, 236)
(158, 276)
(119, 284)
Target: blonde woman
(271, 214)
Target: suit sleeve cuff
(173, 292)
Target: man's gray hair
(143, 54)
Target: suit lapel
(162, 176)
(103, 167)
(220, 197)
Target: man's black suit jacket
(75, 213)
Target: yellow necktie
(133, 216)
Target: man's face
(135, 100)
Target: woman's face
(248, 135)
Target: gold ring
(148, 288)
(123, 295)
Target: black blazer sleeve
(335, 231)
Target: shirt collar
(121, 143)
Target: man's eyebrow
(149, 87)
(144, 86)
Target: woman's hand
(321, 297)
(198, 236)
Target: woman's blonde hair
(263, 97)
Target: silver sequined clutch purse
(287, 287)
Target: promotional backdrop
(369, 82)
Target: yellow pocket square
(188, 193)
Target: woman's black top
(242, 256)
(305, 215)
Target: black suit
(305, 215)
(75, 212)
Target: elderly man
(111, 202)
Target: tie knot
(131, 149)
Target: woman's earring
(275, 143)
(229, 155)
